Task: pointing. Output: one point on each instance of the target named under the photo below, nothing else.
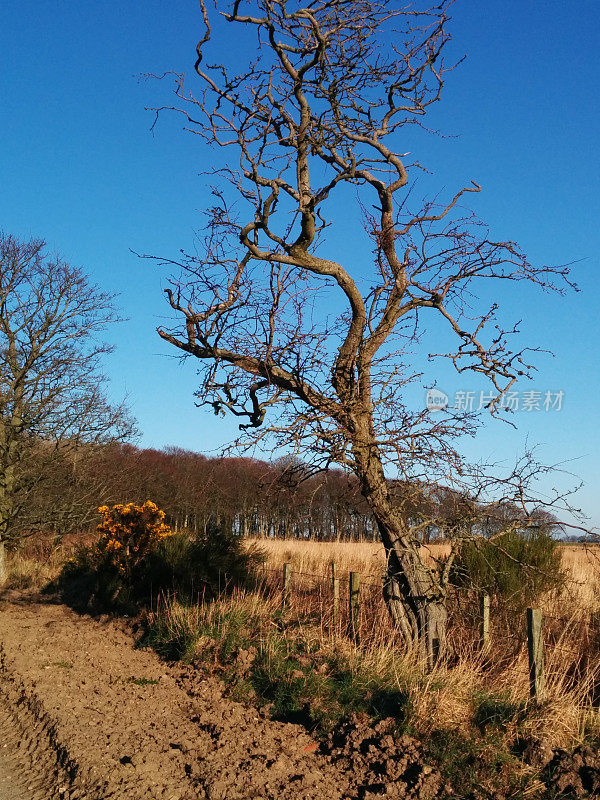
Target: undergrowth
(469, 716)
(124, 571)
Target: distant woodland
(247, 496)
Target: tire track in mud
(33, 765)
(20, 778)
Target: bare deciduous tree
(51, 387)
(309, 351)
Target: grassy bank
(474, 715)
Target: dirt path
(86, 716)
(29, 766)
(121, 724)
(13, 783)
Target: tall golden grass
(581, 564)
(446, 697)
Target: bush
(138, 556)
(516, 567)
(204, 566)
(129, 533)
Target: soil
(385, 765)
(14, 784)
(124, 724)
(86, 715)
(30, 766)
(575, 774)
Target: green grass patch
(469, 763)
(497, 712)
(142, 681)
(171, 642)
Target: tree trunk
(414, 597)
(6, 512)
(412, 590)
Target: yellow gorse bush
(129, 532)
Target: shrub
(137, 557)
(516, 567)
(128, 535)
(203, 566)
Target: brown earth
(84, 714)
(22, 771)
(124, 725)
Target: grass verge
(474, 721)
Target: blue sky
(80, 167)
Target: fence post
(3, 571)
(594, 629)
(535, 646)
(354, 604)
(335, 587)
(287, 582)
(485, 622)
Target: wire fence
(353, 604)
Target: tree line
(246, 496)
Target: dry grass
(40, 558)
(368, 558)
(447, 698)
(581, 564)
(29, 572)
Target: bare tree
(51, 387)
(313, 354)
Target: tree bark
(414, 598)
(412, 591)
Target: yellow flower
(130, 531)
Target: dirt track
(105, 720)
(29, 766)
(13, 783)
(86, 716)
(130, 727)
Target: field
(300, 663)
(581, 563)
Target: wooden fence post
(287, 582)
(594, 628)
(535, 646)
(335, 587)
(354, 604)
(485, 622)
(3, 570)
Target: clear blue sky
(80, 167)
